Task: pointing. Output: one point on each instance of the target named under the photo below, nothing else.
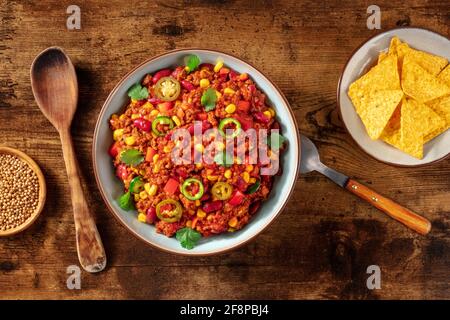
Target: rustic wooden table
(321, 244)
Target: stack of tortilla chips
(404, 99)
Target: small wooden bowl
(42, 190)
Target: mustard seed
(19, 192)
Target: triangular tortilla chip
(377, 111)
(395, 42)
(411, 137)
(419, 84)
(431, 63)
(383, 76)
(441, 107)
(391, 133)
(444, 76)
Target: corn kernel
(272, 112)
(267, 114)
(167, 149)
(218, 66)
(204, 83)
(197, 203)
(136, 197)
(176, 120)
(228, 91)
(231, 108)
(227, 174)
(134, 101)
(122, 117)
(142, 217)
(187, 69)
(199, 147)
(129, 141)
(249, 168)
(151, 189)
(147, 105)
(252, 180)
(212, 178)
(201, 213)
(154, 112)
(210, 217)
(246, 176)
(189, 223)
(118, 133)
(233, 222)
(157, 168)
(143, 195)
(218, 94)
(155, 157)
(231, 229)
(135, 116)
(142, 172)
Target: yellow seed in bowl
(142, 217)
(155, 157)
(143, 195)
(252, 180)
(228, 91)
(134, 101)
(147, 105)
(199, 165)
(154, 112)
(117, 134)
(227, 174)
(136, 197)
(122, 117)
(129, 141)
(249, 168)
(204, 83)
(272, 112)
(246, 176)
(218, 66)
(233, 222)
(151, 189)
(267, 114)
(218, 94)
(197, 203)
(188, 223)
(201, 213)
(167, 149)
(231, 108)
(176, 120)
(212, 178)
(135, 116)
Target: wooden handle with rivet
(89, 244)
(394, 210)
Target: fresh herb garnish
(254, 187)
(192, 62)
(138, 92)
(209, 98)
(131, 157)
(223, 159)
(188, 237)
(126, 201)
(276, 141)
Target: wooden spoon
(55, 89)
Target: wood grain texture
(322, 243)
(410, 219)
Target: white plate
(357, 65)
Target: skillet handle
(394, 210)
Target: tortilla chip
(431, 63)
(419, 84)
(383, 76)
(378, 109)
(444, 76)
(381, 56)
(391, 133)
(441, 107)
(395, 42)
(411, 137)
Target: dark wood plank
(324, 240)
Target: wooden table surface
(322, 243)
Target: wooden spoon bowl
(42, 190)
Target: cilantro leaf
(131, 157)
(276, 141)
(208, 99)
(192, 62)
(188, 237)
(137, 92)
(223, 159)
(126, 201)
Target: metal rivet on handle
(374, 199)
(354, 187)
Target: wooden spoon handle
(391, 208)
(89, 245)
